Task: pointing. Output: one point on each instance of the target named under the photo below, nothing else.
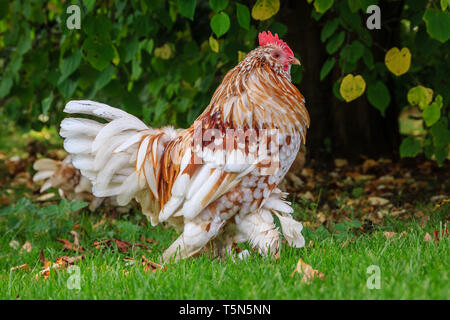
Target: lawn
(377, 213)
(410, 267)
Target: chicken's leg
(196, 235)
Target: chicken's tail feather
(113, 155)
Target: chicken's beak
(294, 60)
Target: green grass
(410, 267)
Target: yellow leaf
(213, 44)
(241, 55)
(164, 52)
(265, 9)
(352, 87)
(398, 61)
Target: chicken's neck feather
(254, 94)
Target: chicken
(216, 181)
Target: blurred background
(375, 78)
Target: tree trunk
(354, 128)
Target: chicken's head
(276, 52)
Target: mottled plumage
(216, 180)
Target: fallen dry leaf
(122, 245)
(340, 162)
(59, 264)
(27, 247)
(150, 265)
(21, 267)
(70, 246)
(307, 271)
(369, 164)
(378, 201)
(76, 241)
(436, 234)
(389, 234)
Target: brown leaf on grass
(427, 238)
(347, 242)
(60, 264)
(150, 265)
(424, 221)
(76, 241)
(27, 247)
(389, 234)
(378, 201)
(21, 267)
(122, 245)
(307, 271)
(70, 246)
(436, 234)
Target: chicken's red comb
(267, 38)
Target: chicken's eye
(276, 54)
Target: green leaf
(323, 5)
(218, 5)
(136, 69)
(156, 85)
(355, 51)
(104, 77)
(440, 154)
(77, 205)
(98, 27)
(378, 96)
(131, 48)
(220, 24)
(440, 133)
(69, 65)
(335, 42)
(327, 67)
(328, 29)
(5, 85)
(67, 87)
(354, 5)
(336, 92)
(187, 8)
(98, 54)
(432, 113)
(438, 24)
(368, 58)
(89, 4)
(243, 16)
(46, 103)
(420, 96)
(444, 4)
(147, 45)
(24, 44)
(410, 147)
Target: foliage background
(162, 60)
